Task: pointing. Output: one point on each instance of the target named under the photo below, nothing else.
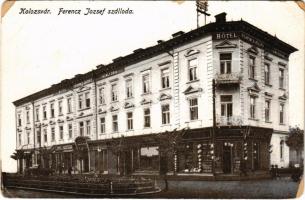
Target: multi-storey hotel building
(115, 118)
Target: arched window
(281, 149)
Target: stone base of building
(237, 151)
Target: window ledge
(164, 125)
(253, 79)
(84, 109)
(116, 101)
(129, 98)
(282, 124)
(144, 94)
(146, 127)
(254, 119)
(69, 113)
(129, 130)
(193, 81)
(164, 89)
(60, 115)
(267, 84)
(269, 122)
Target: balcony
(229, 121)
(228, 79)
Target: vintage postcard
(158, 99)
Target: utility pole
(214, 125)
(202, 8)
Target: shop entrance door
(227, 158)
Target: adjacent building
(113, 119)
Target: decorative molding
(252, 50)
(51, 122)
(102, 111)
(128, 105)
(144, 70)
(191, 52)
(113, 80)
(113, 109)
(59, 98)
(145, 101)
(267, 57)
(254, 88)
(164, 63)
(69, 95)
(283, 97)
(225, 44)
(191, 90)
(101, 84)
(83, 89)
(164, 96)
(60, 121)
(68, 118)
(127, 75)
(268, 94)
(282, 64)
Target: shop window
(149, 158)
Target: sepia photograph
(152, 99)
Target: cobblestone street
(280, 188)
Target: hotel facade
(152, 111)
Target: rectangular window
(281, 113)
(129, 88)
(44, 108)
(59, 107)
(70, 131)
(102, 95)
(267, 74)
(19, 120)
(281, 78)
(88, 127)
(192, 65)
(193, 109)
(146, 85)
(252, 107)
(81, 128)
(114, 92)
(103, 125)
(45, 135)
(146, 117)
(87, 97)
(165, 114)
(28, 137)
(267, 110)
(225, 63)
(52, 134)
(165, 78)
(61, 132)
(115, 123)
(226, 108)
(52, 110)
(69, 105)
(38, 137)
(37, 114)
(129, 121)
(80, 101)
(252, 67)
(19, 139)
(27, 117)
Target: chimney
(221, 17)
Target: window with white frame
(80, 101)
(129, 121)
(81, 128)
(165, 114)
(19, 120)
(88, 127)
(282, 110)
(60, 107)
(70, 131)
(281, 78)
(226, 108)
(267, 110)
(52, 134)
(28, 137)
(45, 135)
(252, 107)
(192, 69)
(52, 110)
(61, 132)
(165, 78)
(146, 84)
(252, 67)
(37, 114)
(69, 105)
(115, 127)
(193, 108)
(44, 108)
(27, 117)
(147, 117)
(87, 99)
(114, 92)
(267, 74)
(102, 95)
(129, 88)
(102, 125)
(225, 63)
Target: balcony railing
(231, 78)
(229, 121)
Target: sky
(40, 50)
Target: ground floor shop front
(229, 150)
